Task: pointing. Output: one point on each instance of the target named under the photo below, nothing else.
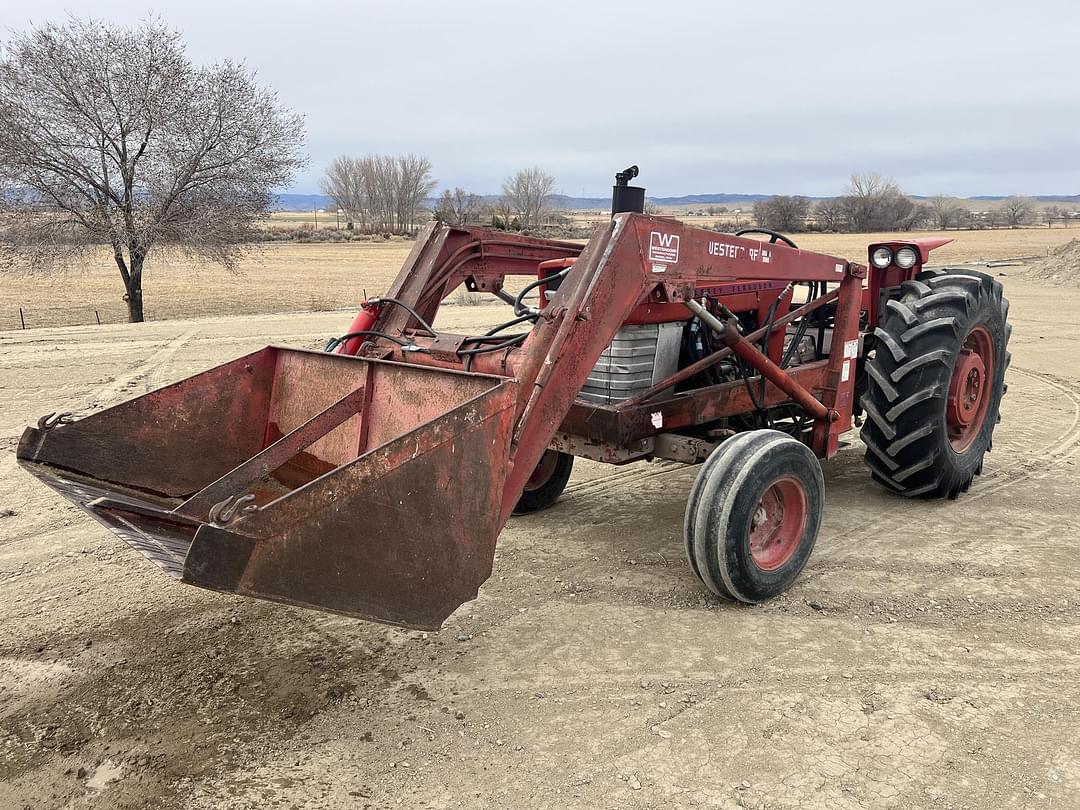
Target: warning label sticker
(663, 248)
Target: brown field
(291, 277)
(926, 658)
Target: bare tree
(344, 183)
(414, 185)
(112, 136)
(1052, 212)
(876, 203)
(527, 194)
(782, 213)
(1017, 210)
(945, 211)
(831, 215)
(502, 215)
(866, 197)
(380, 193)
(457, 207)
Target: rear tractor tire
(934, 383)
(753, 515)
(546, 483)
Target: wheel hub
(778, 524)
(970, 389)
(543, 471)
(968, 383)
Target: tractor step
(358, 486)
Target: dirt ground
(929, 656)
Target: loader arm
(375, 481)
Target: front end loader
(373, 478)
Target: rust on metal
(376, 485)
(744, 350)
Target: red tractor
(373, 478)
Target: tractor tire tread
(908, 376)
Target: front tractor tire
(934, 383)
(753, 515)
(546, 483)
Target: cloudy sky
(781, 97)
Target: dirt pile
(1061, 267)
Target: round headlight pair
(905, 258)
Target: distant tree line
(525, 203)
(1012, 212)
(872, 203)
(390, 194)
(869, 203)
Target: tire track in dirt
(110, 393)
(1059, 448)
(602, 483)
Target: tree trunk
(134, 289)
(135, 303)
(132, 275)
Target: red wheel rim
(543, 472)
(970, 389)
(779, 522)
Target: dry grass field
(276, 277)
(292, 277)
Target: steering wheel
(773, 236)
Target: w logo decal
(663, 248)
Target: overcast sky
(773, 97)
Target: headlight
(882, 258)
(906, 257)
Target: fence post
(22, 320)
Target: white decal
(659, 268)
(658, 420)
(846, 371)
(839, 268)
(663, 248)
(851, 349)
(724, 250)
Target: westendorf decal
(663, 248)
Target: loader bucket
(364, 487)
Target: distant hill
(1046, 198)
(300, 202)
(563, 201)
(308, 202)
